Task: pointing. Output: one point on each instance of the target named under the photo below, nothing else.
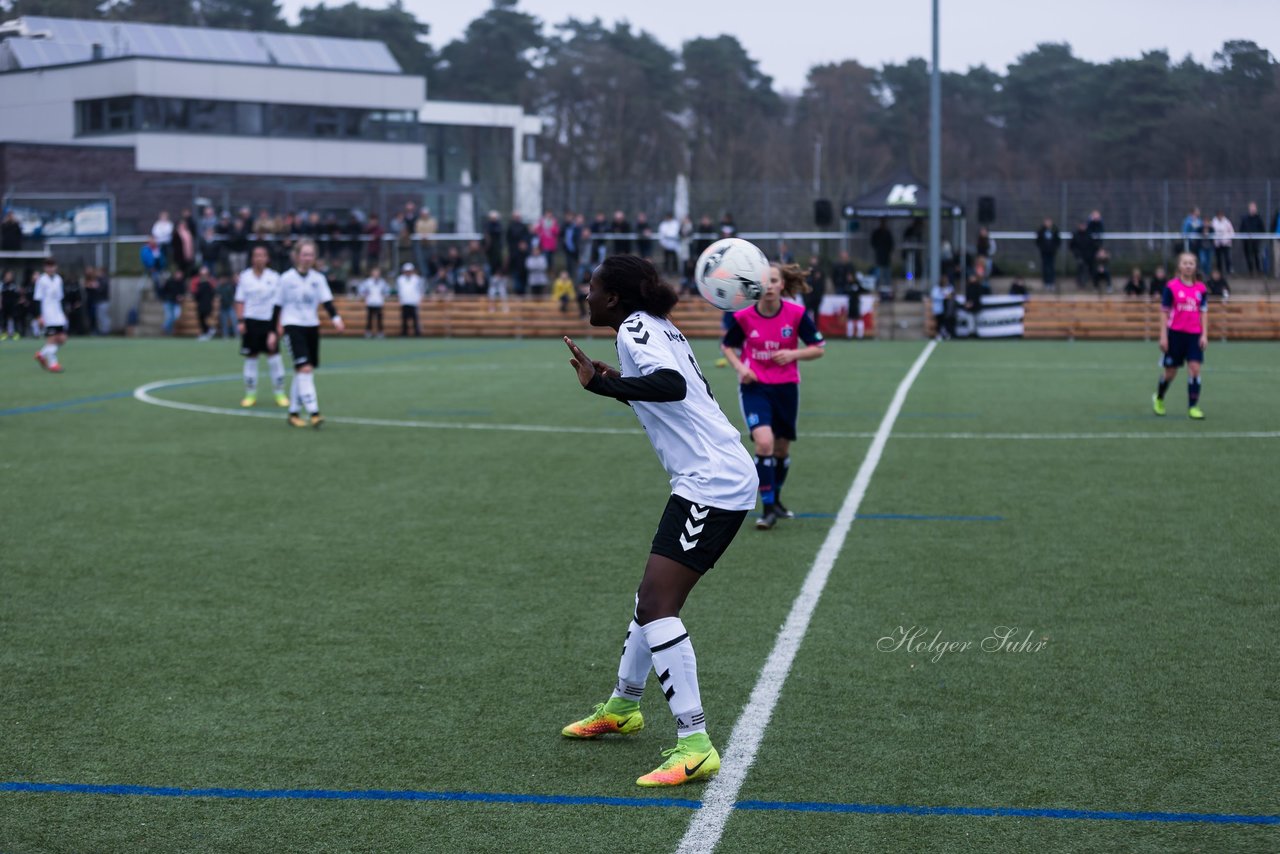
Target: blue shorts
(776, 406)
(1183, 347)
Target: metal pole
(935, 161)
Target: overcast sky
(788, 37)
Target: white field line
(707, 825)
(144, 394)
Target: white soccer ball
(730, 273)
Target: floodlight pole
(935, 161)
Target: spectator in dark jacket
(1083, 249)
(1251, 223)
(1047, 241)
(620, 245)
(817, 281)
(173, 290)
(11, 233)
(882, 246)
(205, 292)
(843, 276)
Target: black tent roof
(902, 198)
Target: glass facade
(237, 118)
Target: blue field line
(345, 795)
(591, 801)
(1010, 812)
(905, 517)
(65, 404)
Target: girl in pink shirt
(1184, 335)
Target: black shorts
(50, 331)
(774, 405)
(254, 339)
(695, 535)
(1183, 347)
(304, 345)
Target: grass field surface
(218, 633)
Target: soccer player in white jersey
(255, 303)
(302, 290)
(49, 296)
(713, 485)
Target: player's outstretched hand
(339, 325)
(1204, 341)
(1164, 343)
(585, 367)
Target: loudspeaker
(823, 213)
(986, 209)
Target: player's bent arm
(665, 385)
(808, 354)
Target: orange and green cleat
(248, 400)
(617, 716)
(282, 400)
(693, 758)
(296, 420)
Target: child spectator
(563, 290)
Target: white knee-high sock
(50, 352)
(275, 364)
(306, 384)
(677, 669)
(634, 665)
(294, 405)
(250, 374)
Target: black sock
(781, 467)
(1162, 388)
(766, 468)
(1193, 391)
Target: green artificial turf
(198, 599)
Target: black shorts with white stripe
(304, 345)
(695, 534)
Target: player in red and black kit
(763, 345)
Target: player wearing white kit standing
(49, 295)
(302, 290)
(255, 303)
(713, 485)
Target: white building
(160, 115)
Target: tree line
(621, 107)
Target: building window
(107, 115)
(530, 148)
(249, 120)
(207, 116)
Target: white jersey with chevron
(299, 297)
(258, 293)
(696, 444)
(49, 295)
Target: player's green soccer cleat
(282, 399)
(693, 758)
(1195, 413)
(1157, 404)
(249, 400)
(624, 718)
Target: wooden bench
(1121, 318)
(476, 316)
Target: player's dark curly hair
(636, 282)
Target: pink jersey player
(1184, 303)
(761, 336)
